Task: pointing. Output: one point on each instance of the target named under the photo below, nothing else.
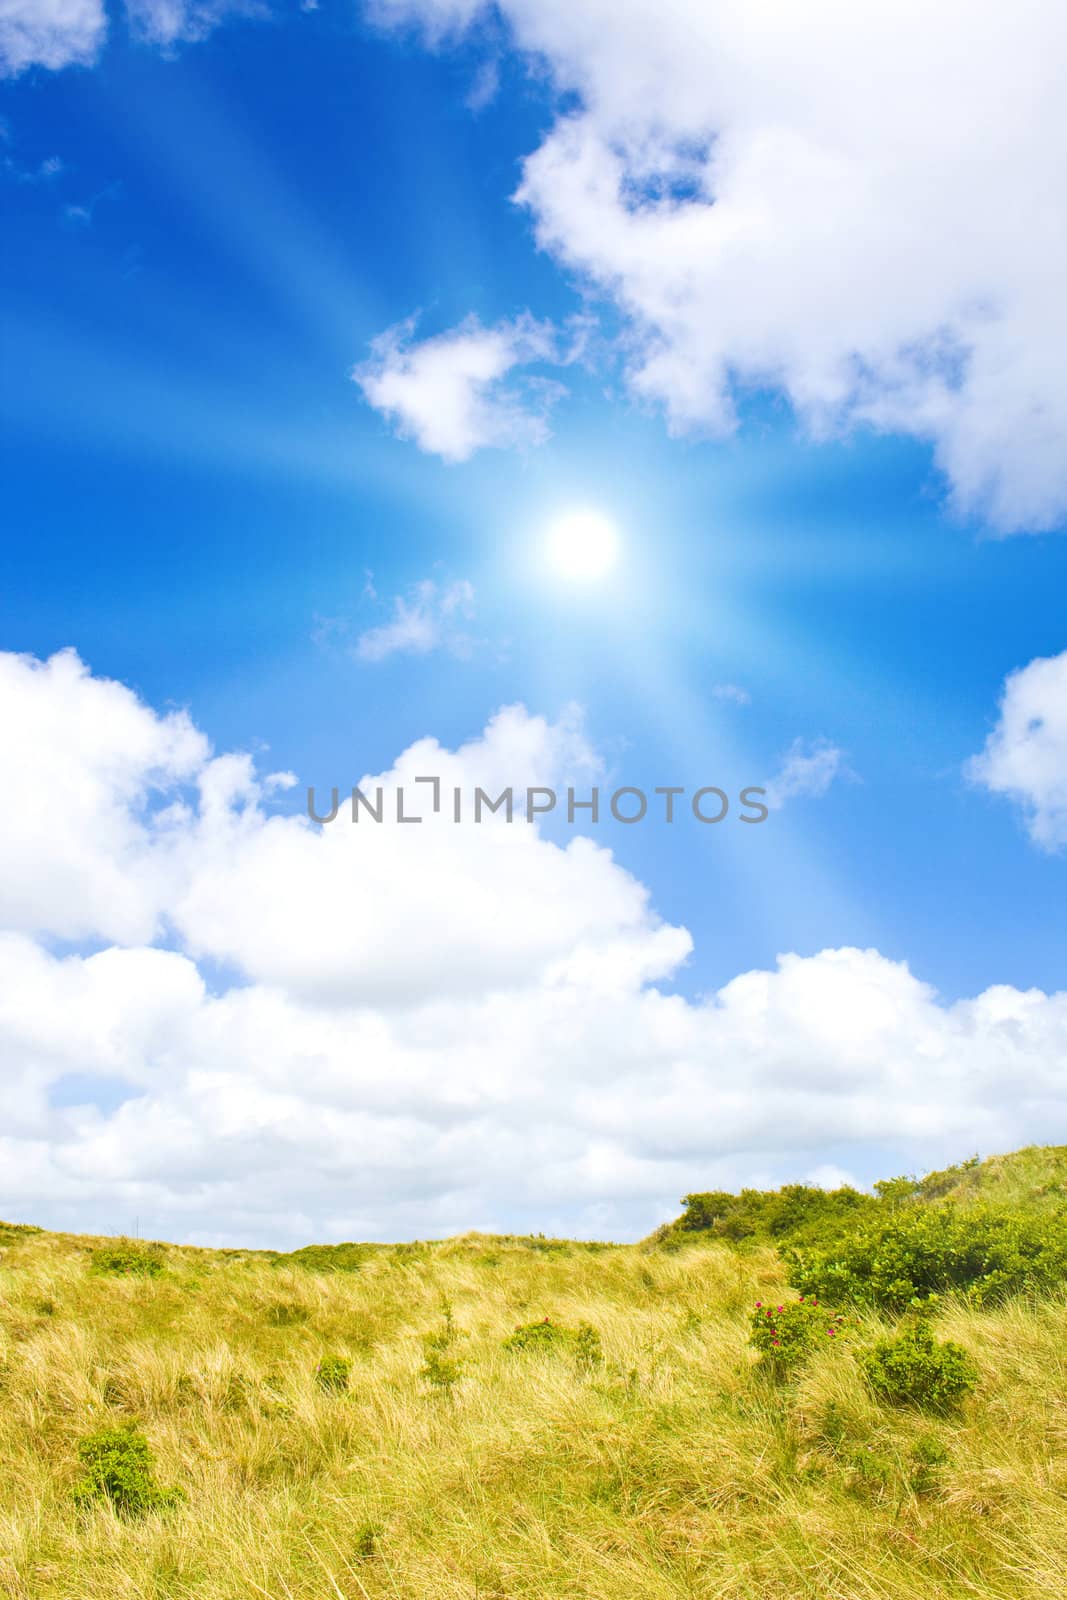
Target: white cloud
(49, 33)
(809, 768)
(1025, 756)
(84, 764)
(170, 22)
(851, 205)
(416, 1028)
(430, 617)
(452, 393)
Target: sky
(320, 322)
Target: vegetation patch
(786, 1335)
(128, 1258)
(117, 1467)
(582, 1342)
(332, 1373)
(912, 1253)
(329, 1257)
(916, 1369)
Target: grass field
(446, 1465)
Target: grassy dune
(674, 1467)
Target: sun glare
(583, 545)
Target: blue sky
(203, 241)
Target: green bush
(583, 1342)
(786, 1335)
(915, 1252)
(587, 1346)
(128, 1258)
(117, 1467)
(332, 1374)
(441, 1372)
(916, 1369)
(797, 1211)
(543, 1335)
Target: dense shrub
(913, 1252)
(117, 1467)
(786, 1335)
(128, 1258)
(332, 1373)
(794, 1212)
(914, 1368)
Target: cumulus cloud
(383, 1030)
(86, 768)
(429, 617)
(821, 200)
(454, 394)
(809, 768)
(50, 33)
(1025, 757)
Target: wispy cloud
(429, 617)
(731, 692)
(809, 768)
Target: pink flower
(759, 1304)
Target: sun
(583, 545)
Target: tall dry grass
(674, 1469)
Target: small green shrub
(786, 1335)
(332, 1374)
(916, 1369)
(926, 1460)
(117, 1467)
(588, 1349)
(128, 1258)
(583, 1342)
(441, 1372)
(543, 1335)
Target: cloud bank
(242, 1027)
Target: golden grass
(674, 1470)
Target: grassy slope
(1034, 1176)
(673, 1470)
